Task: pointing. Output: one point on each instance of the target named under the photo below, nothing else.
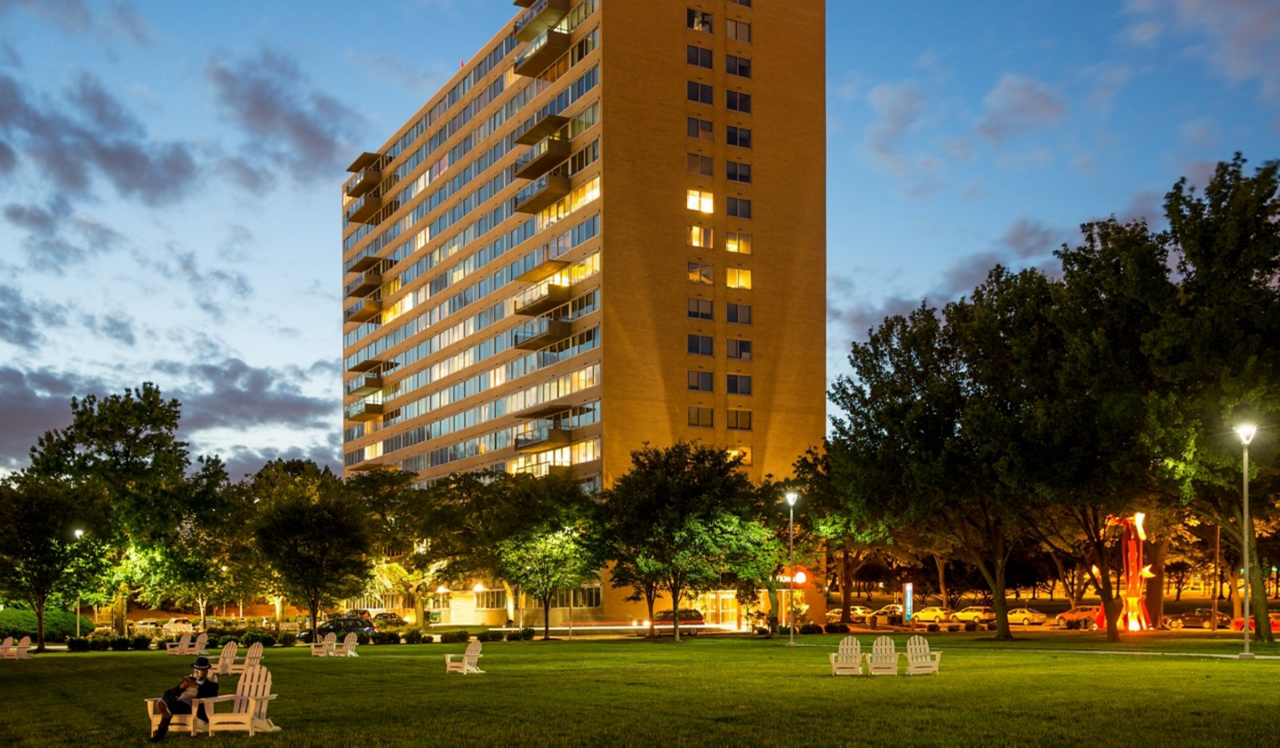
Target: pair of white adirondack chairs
(10, 651)
(225, 664)
(329, 647)
(184, 646)
(883, 657)
(248, 711)
(467, 662)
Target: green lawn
(701, 692)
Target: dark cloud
(125, 19)
(210, 288)
(8, 158)
(71, 15)
(117, 327)
(8, 55)
(58, 237)
(19, 322)
(242, 461)
(898, 108)
(94, 136)
(290, 124)
(34, 403)
(232, 394)
(1018, 105)
(116, 20)
(1028, 238)
(246, 174)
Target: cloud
(1029, 238)
(93, 135)
(58, 237)
(291, 124)
(242, 460)
(21, 319)
(35, 401)
(898, 107)
(1200, 133)
(117, 327)
(1016, 106)
(232, 394)
(208, 287)
(117, 20)
(70, 15)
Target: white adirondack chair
(178, 722)
(347, 648)
(324, 647)
(883, 657)
(179, 647)
(19, 652)
(248, 705)
(5, 647)
(468, 662)
(198, 647)
(919, 658)
(847, 660)
(223, 662)
(252, 659)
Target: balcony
(523, 3)
(363, 181)
(364, 310)
(539, 333)
(364, 284)
(538, 267)
(369, 364)
(540, 159)
(363, 411)
(364, 262)
(542, 439)
(365, 385)
(541, 52)
(364, 208)
(542, 192)
(541, 298)
(539, 127)
(541, 15)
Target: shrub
(933, 627)
(77, 645)
(99, 644)
(386, 637)
(490, 636)
(784, 631)
(953, 627)
(970, 625)
(811, 628)
(527, 633)
(761, 631)
(225, 640)
(249, 640)
(288, 639)
(836, 628)
(267, 640)
(513, 636)
(362, 638)
(58, 624)
(455, 637)
(121, 643)
(141, 643)
(413, 636)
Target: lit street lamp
(79, 534)
(1246, 432)
(791, 549)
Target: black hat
(202, 663)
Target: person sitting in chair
(177, 700)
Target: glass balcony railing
(540, 298)
(538, 333)
(364, 411)
(546, 155)
(542, 192)
(541, 52)
(540, 16)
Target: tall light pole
(79, 534)
(791, 571)
(1246, 432)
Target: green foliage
(455, 637)
(78, 645)
(58, 624)
(121, 643)
(140, 643)
(386, 637)
(288, 639)
(413, 636)
(490, 636)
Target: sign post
(908, 602)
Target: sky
(170, 174)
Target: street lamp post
(79, 534)
(1246, 432)
(791, 549)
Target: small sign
(908, 602)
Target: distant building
(607, 229)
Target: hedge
(58, 624)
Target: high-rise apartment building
(607, 229)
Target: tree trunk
(650, 598)
(546, 617)
(40, 625)
(313, 605)
(1156, 552)
(1258, 593)
(846, 581)
(942, 581)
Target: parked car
(388, 619)
(178, 627)
(1027, 616)
(1086, 613)
(1199, 618)
(975, 614)
(1273, 616)
(665, 620)
(146, 627)
(341, 625)
(932, 614)
(857, 614)
(893, 609)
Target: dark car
(1200, 618)
(341, 627)
(388, 619)
(664, 620)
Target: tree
(311, 533)
(542, 562)
(680, 516)
(41, 558)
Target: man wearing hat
(177, 700)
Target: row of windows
(704, 58)
(737, 419)
(738, 314)
(701, 20)
(704, 201)
(704, 345)
(703, 93)
(705, 166)
(735, 384)
(702, 130)
(703, 237)
(701, 273)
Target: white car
(975, 614)
(178, 627)
(1027, 616)
(932, 614)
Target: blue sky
(170, 173)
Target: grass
(1045, 689)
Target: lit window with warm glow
(700, 236)
(740, 278)
(740, 243)
(700, 272)
(703, 202)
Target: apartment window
(742, 453)
(739, 207)
(700, 129)
(739, 420)
(738, 172)
(700, 345)
(739, 278)
(583, 597)
(738, 314)
(700, 93)
(700, 236)
(701, 201)
(699, 57)
(702, 381)
(735, 65)
(739, 136)
(738, 101)
(699, 20)
(703, 165)
(743, 3)
(739, 384)
(738, 31)
(491, 600)
(700, 309)
(740, 243)
(701, 417)
(740, 349)
(700, 272)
